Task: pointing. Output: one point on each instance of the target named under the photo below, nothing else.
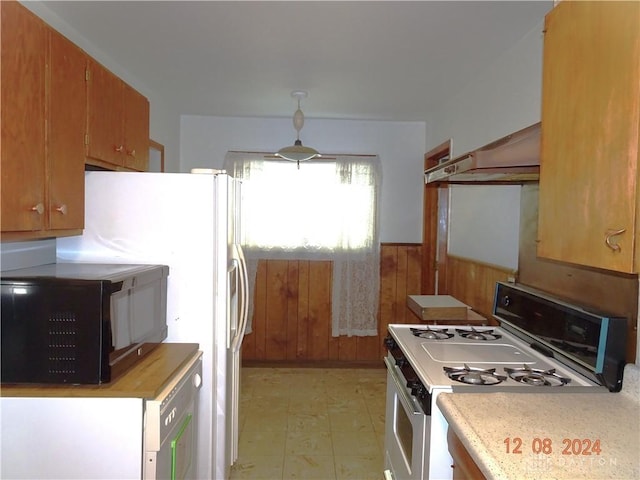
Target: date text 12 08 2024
(545, 446)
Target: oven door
(406, 430)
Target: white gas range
(541, 345)
(439, 354)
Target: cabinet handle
(38, 208)
(62, 209)
(132, 153)
(609, 235)
(119, 149)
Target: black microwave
(75, 323)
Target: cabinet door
(590, 127)
(136, 130)
(66, 129)
(105, 115)
(23, 50)
(464, 467)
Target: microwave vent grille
(62, 352)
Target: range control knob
(401, 362)
(414, 386)
(411, 384)
(390, 343)
(419, 390)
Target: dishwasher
(171, 426)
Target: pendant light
(298, 152)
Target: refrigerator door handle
(243, 297)
(233, 324)
(245, 293)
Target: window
(326, 209)
(322, 206)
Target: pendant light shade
(298, 152)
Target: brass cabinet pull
(609, 235)
(38, 208)
(132, 153)
(119, 149)
(62, 209)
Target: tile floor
(311, 423)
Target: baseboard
(311, 364)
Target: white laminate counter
(559, 426)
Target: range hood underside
(496, 175)
(511, 159)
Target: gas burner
(473, 334)
(536, 377)
(432, 333)
(474, 376)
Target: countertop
(554, 433)
(144, 380)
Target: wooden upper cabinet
(588, 212)
(43, 124)
(118, 122)
(22, 164)
(105, 115)
(60, 109)
(65, 133)
(136, 130)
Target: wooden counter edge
(144, 380)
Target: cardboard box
(437, 307)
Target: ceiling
(358, 60)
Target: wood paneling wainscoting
(292, 310)
(474, 282)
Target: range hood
(511, 159)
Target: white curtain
(327, 209)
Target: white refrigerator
(190, 222)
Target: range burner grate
(474, 376)
(536, 377)
(473, 334)
(432, 333)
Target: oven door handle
(410, 403)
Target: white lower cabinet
(71, 438)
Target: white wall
(164, 124)
(485, 224)
(503, 98)
(205, 140)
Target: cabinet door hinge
(87, 75)
(86, 139)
